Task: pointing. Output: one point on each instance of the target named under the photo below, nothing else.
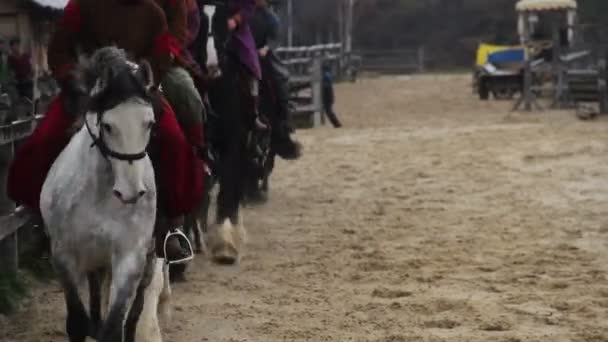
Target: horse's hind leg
(126, 277)
(77, 323)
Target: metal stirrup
(178, 233)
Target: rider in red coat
(140, 28)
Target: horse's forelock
(110, 78)
(120, 88)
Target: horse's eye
(106, 127)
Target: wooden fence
(10, 135)
(305, 64)
(394, 61)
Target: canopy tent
(555, 11)
(545, 5)
(528, 9)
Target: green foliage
(12, 289)
(40, 269)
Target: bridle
(99, 141)
(107, 152)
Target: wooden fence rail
(305, 64)
(10, 135)
(393, 61)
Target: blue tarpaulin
(507, 56)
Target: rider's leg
(280, 77)
(180, 170)
(282, 142)
(331, 114)
(254, 88)
(182, 94)
(35, 157)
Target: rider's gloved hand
(205, 154)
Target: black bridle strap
(106, 152)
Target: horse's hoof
(177, 273)
(257, 198)
(225, 255)
(225, 242)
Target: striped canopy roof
(53, 4)
(545, 5)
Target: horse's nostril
(141, 193)
(118, 194)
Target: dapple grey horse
(99, 200)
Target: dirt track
(431, 217)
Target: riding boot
(259, 123)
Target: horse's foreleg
(95, 283)
(126, 278)
(77, 323)
(201, 226)
(206, 204)
(220, 240)
(138, 303)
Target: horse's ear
(145, 74)
(100, 80)
(83, 74)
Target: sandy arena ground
(431, 217)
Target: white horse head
(212, 61)
(120, 120)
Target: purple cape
(246, 45)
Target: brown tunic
(139, 28)
(176, 13)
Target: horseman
(184, 79)
(139, 27)
(265, 27)
(232, 19)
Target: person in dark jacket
(329, 97)
(21, 65)
(265, 29)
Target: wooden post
(290, 23)
(421, 57)
(602, 87)
(342, 38)
(527, 97)
(558, 75)
(317, 91)
(9, 256)
(348, 45)
(528, 85)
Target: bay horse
(99, 199)
(230, 133)
(245, 156)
